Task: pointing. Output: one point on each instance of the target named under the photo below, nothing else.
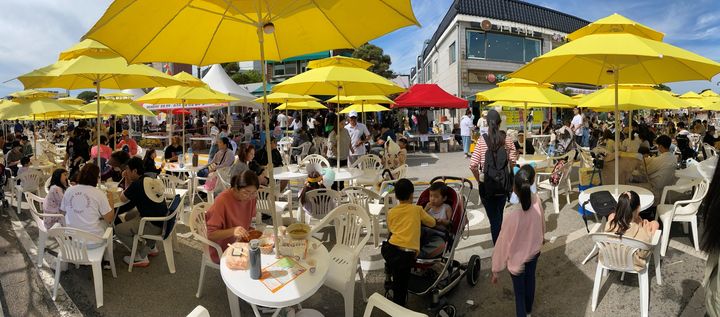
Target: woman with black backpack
(494, 156)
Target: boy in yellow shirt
(400, 250)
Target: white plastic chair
(315, 159)
(370, 201)
(199, 311)
(399, 172)
(564, 186)
(265, 197)
(304, 150)
(616, 254)
(73, 248)
(391, 309)
(371, 165)
(684, 211)
(710, 151)
(350, 221)
(30, 181)
(322, 201)
(198, 229)
(34, 201)
(197, 189)
(166, 236)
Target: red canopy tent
(428, 96)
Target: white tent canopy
(217, 79)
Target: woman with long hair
(521, 238)
(149, 163)
(710, 243)
(494, 141)
(55, 192)
(626, 222)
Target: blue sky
(33, 32)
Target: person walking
(466, 127)
(494, 156)
(521, 238)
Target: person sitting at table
(223, 158)
(709, 137)
(232, 212)
(395, 157)
(386, 132)
(146, 197)
(13, 158)
(84, 202)
(105, 150)
(300, 137)
(661, 169)
(173, 150)
(314, 181)
(27, 149)
(261, 155)
(127, 142)
(332, 146)
(26, 163)
(55, 192)
(149, 163)
(115, 166)
(626, 222)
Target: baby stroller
(426, 281)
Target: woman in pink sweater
(231, 215)
(520, 240)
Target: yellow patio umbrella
(279, 97)
(301, 105)
(117, 108)
(96, 72)
(86, 48)
(521, 93)
(616, 23)
(338, 80)
(72, 101)
(189, 93)
(372, 107)
(33, 108)
(695, 100)
(578, 96)
(632, 97)
(609, 55)
(203, 33)
(32, 94)
(374, 99)
(339, 61)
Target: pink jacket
(521, 237)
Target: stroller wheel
(473, 270)
(446, 311)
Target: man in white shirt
(466, 126)
(661, 169)
(576, 126)
(359, 133)
(282, 119)
(214, 134)
(296, 125)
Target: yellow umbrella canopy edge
(616, 23)
(72, 101)
(364, 108)
(117, 108)
(189, 80)
(86, 48)
(329, 80)
(339, 61)
(376, 99)
(279, 97)
(185, 94)
(301, 105)
(32, 94)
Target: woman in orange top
(231, 215)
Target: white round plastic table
(239, 284)
(201, 138)
(175, 168)
(539, 160)
(646, 197)
(281, 173)
(347, 173)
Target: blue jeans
(466, 143)
(524, 287)
(494, 207)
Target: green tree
(375, 55)
(246, 77)
(87, 95)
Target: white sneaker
(154, 251)
(139, 262)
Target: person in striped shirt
(494, 204)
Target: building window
(435, 66)
(291, 68)
(278, 69)
(475, 44)
(428, 72)
(453, 53)
(502, 47)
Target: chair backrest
(360, 195)
(31, 180)
(72, 244)
(322, 201)
(197, 223)
(315, 159)
(368, 162)
(320, 144)
(169, 184)
(617, 252)
(36, 202)
(223, 175)
(175, 206)
(350, 221)
(700, 190)
(264, 202)
(710, 150)
(399, 172)
(199, 311)
(389, 307)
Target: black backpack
(498, 178)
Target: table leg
(258, 314)
(234, 304)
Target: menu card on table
(275, 276)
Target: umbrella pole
(271, 179)
(362, 109)
(35, 134)
(337, 134)
(97, 103)
(183, 131)
(525, 132)
(617, 134)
